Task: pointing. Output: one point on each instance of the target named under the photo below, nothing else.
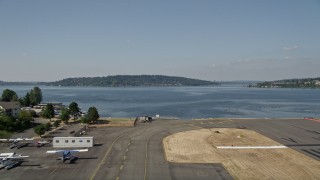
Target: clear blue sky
(42, 40)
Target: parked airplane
(13, 155)
(16, 142)
(67, 154)
(10, 163)
(41, 143)
(19, 145)
(10, 160)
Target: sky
(221, 40)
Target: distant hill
(3, 83)
(132, 80)
(291, 83)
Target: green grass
(5, 134)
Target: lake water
(186, 102)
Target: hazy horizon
(209, 40)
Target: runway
(138, 154)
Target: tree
(21, 101)
(9, 95)
(35, 96)
(47, 126)
(26, 99)
(15, 97)
(6, 123)
(25, 116)
(5, 134)
(92, 114)
(11, 124)
(65, 115)
(56, 123)
(24, 120)
(32, 113)
(40, 130)
(48, 111)
(74, 109)
(85, 120)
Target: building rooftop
(9, 105)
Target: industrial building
(65, 142)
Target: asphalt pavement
(137, 152)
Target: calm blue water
(186, 102)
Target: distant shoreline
(123, 81)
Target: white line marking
(251, 147)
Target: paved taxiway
(137, 152)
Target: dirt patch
(199, 146)
(114, 122)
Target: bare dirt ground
(114, 122)
(199, 146)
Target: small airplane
(67, 154)
(10, 163)
(19, 145)
(13, 155)
(16, 142)
(41, 143)
(10, 160)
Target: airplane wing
(23, 139)
(60, 151)
(55, 151)
(79, 150)
(17, 139)
(15, 157)
(6, 154)
(4, 140)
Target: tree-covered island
(132, 81)
(290, 83)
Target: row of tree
(8, 95)
(10, 124)
(291, 83)
(73, 110)
(41, 129)
(132, 80)
(33, 97)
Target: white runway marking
(251, 147)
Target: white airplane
(16, 142)
(67, 154)
(10, 160)
(13, 155)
